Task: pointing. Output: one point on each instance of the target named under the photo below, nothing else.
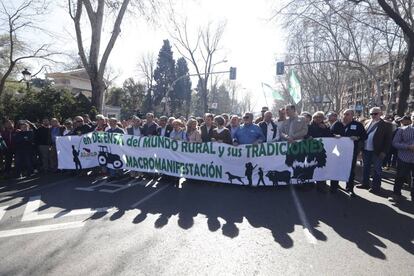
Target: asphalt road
(61, 225)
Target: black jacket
(130, 130)
(354, 128)
(43, 136)
(24, 141)
(206, 136)
(168, 130)
(149, 130)
(82, 130)
(316, 131)
(263, 126)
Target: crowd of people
(382, 141)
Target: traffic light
(280, 68)
(233, 72)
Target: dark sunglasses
(373, 113)
(246, 117)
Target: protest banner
(267, 164)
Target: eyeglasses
(372, 114)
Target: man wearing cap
(295, 127)
(248, 133)
(404, 142)
(136, 128)
(332, 118)
(376, 148)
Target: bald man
(376, 147)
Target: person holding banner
(193, 134)
(248, 133)
(269, 128)
(318, 129)
(295, 127)
(207, 127)
(353, 129)
(136, 128)
(233, 125)
(221, 134)
(178, 132)
(164, 129)
(150, 127)
(114, 128)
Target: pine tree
(164, 74)
(181, 98)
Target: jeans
(371, 159)
(24, 161)
(404, 169)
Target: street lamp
(27, 76)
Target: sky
(251, 42)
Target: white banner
(266, 164)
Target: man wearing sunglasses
(376, 147)
(248, 133)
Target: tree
(146, 67)
(133, 98)
(115, 96)
(13, 48)
(164, 74)
(181, 99)
(401, 12)
(200, 52)
(95, 62)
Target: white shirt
(369, 143)
(136, 131)
(270, 132)
(163, 129)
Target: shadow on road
(358, 220)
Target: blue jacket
(249, 134)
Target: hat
(405, 117)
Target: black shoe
(363, 186)
(350, 191)
(374, 191)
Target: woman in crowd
(318, 129)
(178, 132)
(221, 134)
(193, 134)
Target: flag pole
(264, 94)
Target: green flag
(294, 88)
(270, 92)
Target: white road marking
(3, 211)
(31, 213)
(149, 196)
(39, 229)
(307, 229)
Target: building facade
(77, 81)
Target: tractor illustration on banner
(106, 157)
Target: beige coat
(195, 136)
(295, 128)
